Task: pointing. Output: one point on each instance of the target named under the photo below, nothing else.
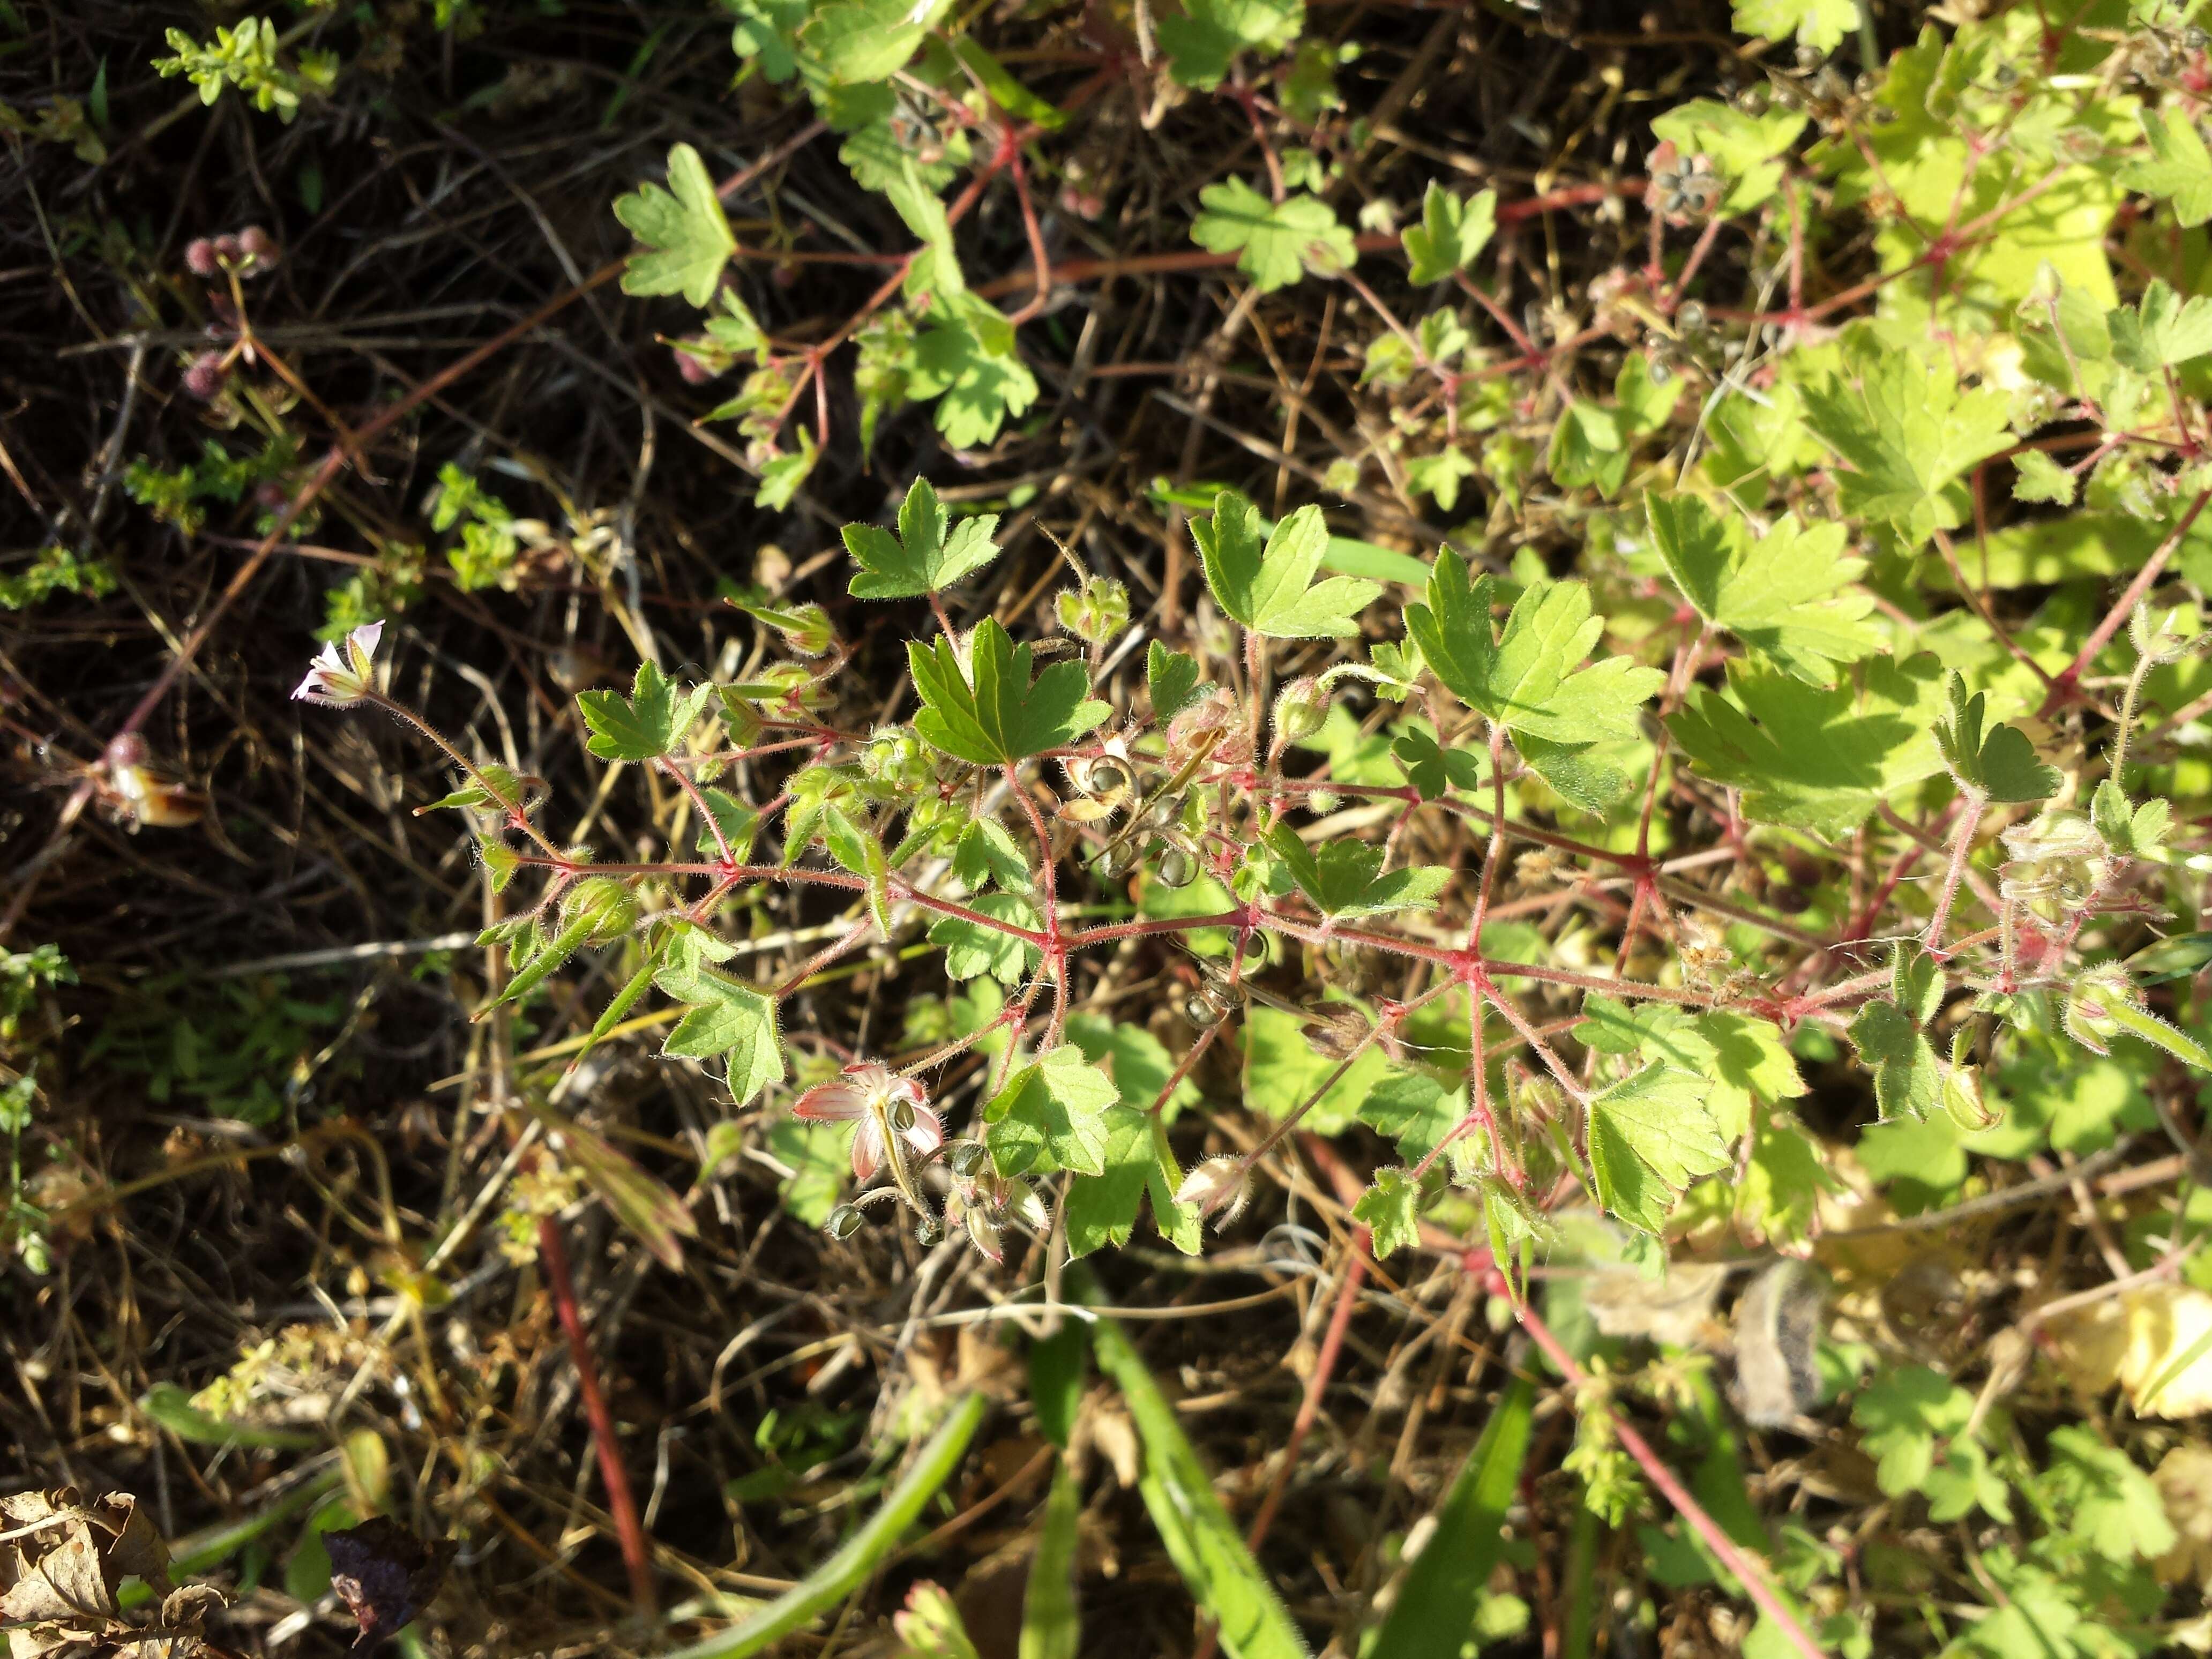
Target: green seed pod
(844, 1221)
(967, 1159)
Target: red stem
(1746, 1572)
(621, 1502)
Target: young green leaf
(1528, 681)
(2163, 332)
(1912, 1420)
(1051, 1116)
(856, 846)
(971, 949)
(726, 1019)
(2000, 765)
(1909, 433)
(780, 475)
(1270, 588)
(1346, 877)
(990, 713)
(1103, 1210)
(1452, 231)
(682, 227)
(2179, 168)
(1785, 595)
(2128, 829)
(1432, 770)
(1204, 37)
(2037, 477)
(1650, 1135)
(856, 41)
(1275, 242)
(2109, 1503)
(1907, 1078)
(1818, 760)
(1139, 1164)
(650, 722)
(922, 558)
(1819, 24)
(968, 360)
(1391, 1208)
(986, 852)
(1172, 676)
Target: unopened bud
(200, 258)
(1096, 612)
(1218, 1187)
(1300, 710)
(609, 907)
(205, 377)
(260, 251)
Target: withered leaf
(386, 1576)
(1777, 1332)
(60, 1569)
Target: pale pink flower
(340, 681)
(857, 1096)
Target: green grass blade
(843, 1572)
(1580, 1596)
(172, 1408)
(1435, 1608)
(1050, 1628)
(1206, 1547)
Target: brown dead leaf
(1777, 1330)
(1674, 1310)
(60, 1571)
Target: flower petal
(867, 1151)
(926, 1133)
(835, 1102)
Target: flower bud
(204, 379)
(609, 905)
(1220, 1186)
(260, 250)
(1300, 710)
(200, 258)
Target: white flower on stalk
(340, 681)
(875, 1096)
